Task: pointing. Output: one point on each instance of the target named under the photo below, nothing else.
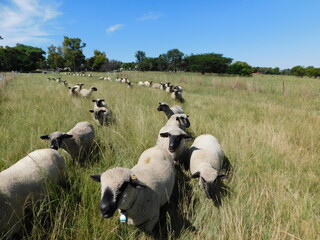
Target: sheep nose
(54, 147)
(105, 211)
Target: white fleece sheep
(73, 92)
(173, 140)
(77, 142)
(101, 114)
(148, 83)
(87, 92)
(169, 111)
(138, 192)
(206, 159)
(24, 183)
(177, 96)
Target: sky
(264, 33)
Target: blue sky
(266, 33)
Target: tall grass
(270, 134)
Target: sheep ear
(222, 176)
(136, 183)
(67, 135)
(186, 136)
(164, 135)
(195, 175)
(96, 178)
(91, 111)
(94, 100)
(45, 137)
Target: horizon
(264, 34)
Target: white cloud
(115, 27)
(26, 21)
(150, 16)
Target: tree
(298, 71)
(21, 57)
(55, 57)
(241, 68)
(207, 63)
(174, 57)
(97, 60)
(140, 56)
(72, 48)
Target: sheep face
(176, 137)
(56, 139)
(118, 186)
(183, 120)
(162, 106)
(99, 102)
(208, 178)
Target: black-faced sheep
(87, 92)
(169, 111)
(77, 142)
(206, 160)
(138, 192)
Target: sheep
(100, 78)
(101, 113)
(78, 87)
(73, 92)
(130, 85)
(173, 140)
(24, 183)
(169, 89)
(178, 88)
(140, 83)
(138, 192)
(77, 142)
(156, 85)
(99, 103)
(179, 120)
(177, 95)
(169, 111)
(87, 92)
(103, 116)
(206, 160)
(148, 83)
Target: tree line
(69, 56)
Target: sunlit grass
(267, 125)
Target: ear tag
(123, 217)
(133, 177)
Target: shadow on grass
(173, 215)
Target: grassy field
(268, 127)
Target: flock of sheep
(139, 192)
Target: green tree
(55, 57)
(21, 58)
(140, 56)
(174, 57)
(73, 54)
(298, 71)
(241, 68)
(97, 60)
(207, 63)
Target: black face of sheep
(161, 106)
(184, 121)
(175, 140)
(110, 200)
(210, 187)
(56, 139)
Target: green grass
(269, 133)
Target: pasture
(268, 127)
